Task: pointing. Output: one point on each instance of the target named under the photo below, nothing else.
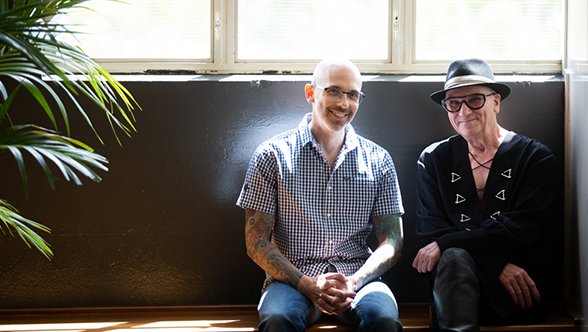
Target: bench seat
(414, 317)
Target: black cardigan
(506, 225)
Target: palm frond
(37, 61)
(71, 157)
(5, 106)
(11, 221)
(39, 49)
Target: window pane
(311, 29)
(494, 30)
(144, 29)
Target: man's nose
(343, 100)
(464, 108)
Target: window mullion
(220, 21)
(395, 19)
(409, 34)
(230, 35)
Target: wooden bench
(414, 317)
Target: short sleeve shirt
(323, 215)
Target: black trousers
(460, 303)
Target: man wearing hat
(485, 198)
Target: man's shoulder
(527, 147)
(369, 145)
(443, 146)
(285, 140)
(533, 143)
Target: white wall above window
(290, 36)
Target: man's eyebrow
(338, 87)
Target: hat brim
(502, 89)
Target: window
(289, 36)
(143, 29)
(502, 30)
(310, 29)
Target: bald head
(325, 69)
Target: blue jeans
(283, 308)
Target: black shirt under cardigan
(506, 225)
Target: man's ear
(309, 92)
(497, 102)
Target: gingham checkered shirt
(323, 217)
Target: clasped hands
(332, 293)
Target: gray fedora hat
(469, 72)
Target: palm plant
(34, 59)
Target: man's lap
(373, 300)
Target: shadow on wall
(162, 228)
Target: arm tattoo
(263, 252)
(388, 230)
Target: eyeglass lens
(337, 93)
(474, 101)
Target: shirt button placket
(329, 200)
(329, 214)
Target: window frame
(401, 23)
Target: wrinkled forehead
(468, 90)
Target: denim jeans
(283, 308)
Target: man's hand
(427, 258)
(519, 285)
(331, 292)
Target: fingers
(520, 286)
(519, 292)
(324, 307)
(333, 305)
(334, 296)
(419, 263)
(335, 280)
(336, 291)
(339, 294)
(427, 257)
(532, 288)
(338, 277)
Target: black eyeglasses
(334, 93)
(474, 101)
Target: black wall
(162, 227)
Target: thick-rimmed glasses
(334, 93)
(474, 101)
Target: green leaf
(5, 106)
(47, 147)
(58, 76)
(12, 220)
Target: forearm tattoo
(388, 230)
(263, 252)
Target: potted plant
(35, 61)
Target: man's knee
(455, 258)
(456, 254)
(381, 323)
(281, 322)
(456, 275)
(377, 309)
